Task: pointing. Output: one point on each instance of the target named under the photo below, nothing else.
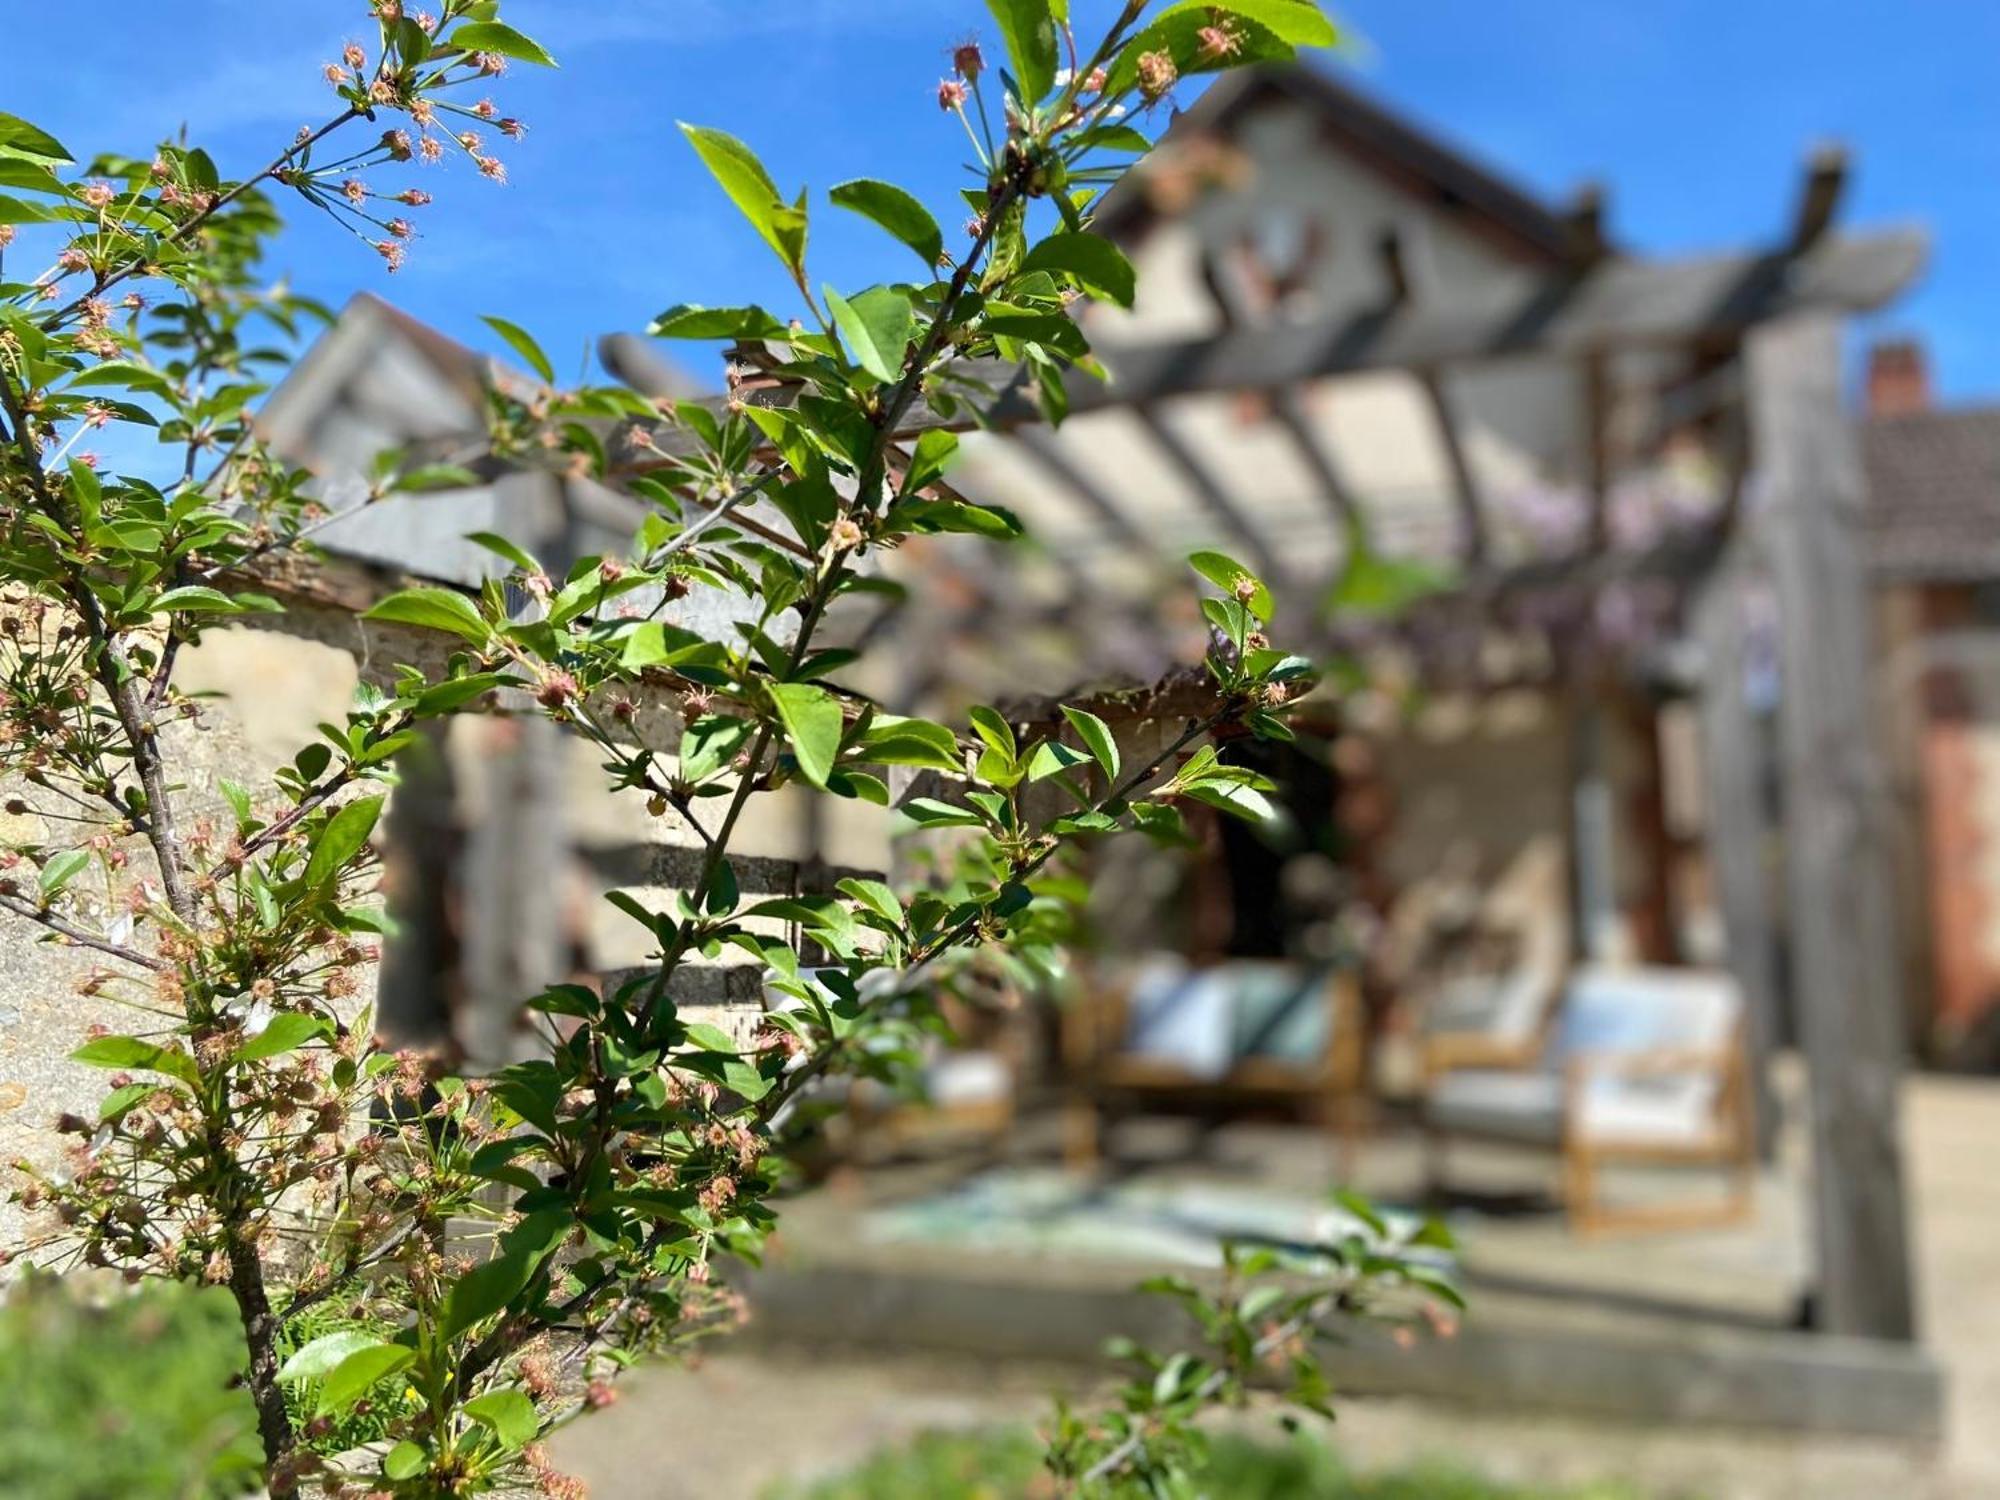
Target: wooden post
(1736, 826)
(518, 865)
(420, 834)
(1838, 836)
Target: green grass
(105, 1393)
(1006, 1465)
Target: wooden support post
(1595, 372)
(518, 867)
(1838, 833)
(419, 958)
(1736, 826)
(1592, 835)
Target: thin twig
(79, 936)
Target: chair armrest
(1649, 1062)
(1579, 1069)
(1453, 1051)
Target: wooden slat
(1619, 303)
(1289, 412)
(1464, 486)
(1214, 498)
(1819, 197)
(1839, 835)
(1042, 448)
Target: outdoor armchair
(1642, 1065)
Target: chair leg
(1337, 1115)
(1083, 1134)
(1434, 1163)
(1580, 1191)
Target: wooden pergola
(1743, 348)
(1746, 348)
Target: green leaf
(1052, 757)
(497, 36)
(657, 643)
(1244, 802)
(198, 599)
(1226, 573)
(427, 479)
(742, 176)
(876, 325)
(19, 138)
(1376, 587)
(1300, 22)
(523, 343)
(996, 731)
(1030, 33)
(340, 840)
(61, 868)
(949, 515)
(495, 543)
(1099, 266)
(456, 692)
(896, 211)
(292, 1029)
(490, 1286)
(813, 721)
(351, 1379)
(433, 609)
(1055, 331)
(323, 1353)
(928, 812)
(909, 742)
(120, 1101)
(930, 459)
(131, 1052)
(404, 1461)
(689, 320)
(1096, 734)
(874, 895)
(510, 1414)
(1363, 1210)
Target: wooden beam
(1040, 445)
(1594, 371)
(1839, 834)
(1393, 257)
(1819, 197)
(1289, 412)
(1736, 824)
(414, 988)
(1464, 486)
(1619, 304)
(1210, 492)
(1583, 221)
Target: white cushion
(1617, 1010)
(1674, 1110)
(968, 1078)
(1517, 1106)
(1179, 1016)
(1505, 1007)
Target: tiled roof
(1934, 494)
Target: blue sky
(1696, 113)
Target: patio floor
(1176, 1187)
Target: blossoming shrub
(431, 1273)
